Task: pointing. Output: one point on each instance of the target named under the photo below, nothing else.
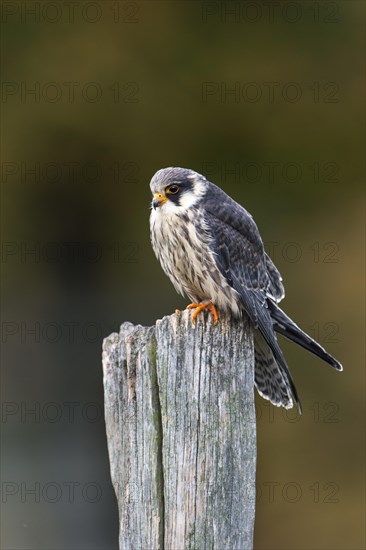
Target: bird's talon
(201, 307)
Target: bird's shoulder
(227, 211)
(238, 246)
(234, 232)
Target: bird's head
(177, 189)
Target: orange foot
(201, 307)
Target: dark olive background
(92, 266)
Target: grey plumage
(211, 249)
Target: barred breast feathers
(181, 243)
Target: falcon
(211, 249)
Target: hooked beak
(158, 200)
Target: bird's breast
(179, 246)
(181, 243)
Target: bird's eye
(172, 189)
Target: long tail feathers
(285, 326)
(270, 379)
(272, 376)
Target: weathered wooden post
(180, 418)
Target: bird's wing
(239, 254)
(238, 249)
(276, 288)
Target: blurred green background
(267, 100)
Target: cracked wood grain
(181, 432)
